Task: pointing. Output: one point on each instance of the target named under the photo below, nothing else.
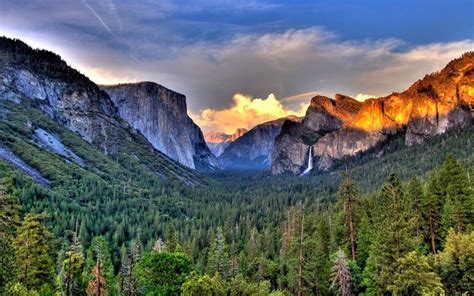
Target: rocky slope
(161, 116)
(218, 141)
(253, 150)
(344, 127)
(39, 80)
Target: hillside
(39, 91)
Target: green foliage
(218, 259)
(205, 285)
(455, 263)
(393, 237)
(458, 196)
(33, 253)
(414, 276)
(99, 260)
(162, 273)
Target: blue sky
(210, 50)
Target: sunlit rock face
(254, 149)
(325, 114)
(341, 127)
(218, 141)
(161, 116)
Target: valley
(115, 190)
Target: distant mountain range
(44, 103)
(218, 141)
(343, 127)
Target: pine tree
(97, 284)
(432, 203)
(347, 199)
(393, 236)
(341, 276)
(414, 276)
(159, 246)
(455, 264)
(218, 259)
(33, 252)
(69, 278)
(99, 264)
(458, 196)
(415, 197)
(9, 220)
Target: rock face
(42, 80)
(344, 127)
(217, 141)
(161, 116)
(254, 149)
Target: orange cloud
(245, 112)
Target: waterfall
(310, 162)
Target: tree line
(413, 238)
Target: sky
(240, 63)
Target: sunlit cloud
(363, 97)
(245, 112)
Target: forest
(245, 234)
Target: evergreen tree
(69, 278)
(414, 276)
(394, 230)
(341, 276)
(347, 200)
(9, 220)
(97, 284)
(433, 202)
(455, 264)
(33, 252)
(99, 267)
(162, 273)
(218, 259)
(415, 198)
(458, 196)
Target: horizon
(244, 63)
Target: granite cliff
(254, 149)
(37, 80)
(161, 116)
(344, 127)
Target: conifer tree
(97, 284)
(99, 265)
(347, 199)
(9, 220)
(455, 264)
(458, 196)
(415, 197)
(393, 235)
(69, 278)
(218, 259)
(432, 203)
(341, 276)
(414, 276)
(33, 252)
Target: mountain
(50, 110)
(253, 150)
(218, 141)
(344, 127)
(161, 116)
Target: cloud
(363, 97)
(245, 112)
(295, 61)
